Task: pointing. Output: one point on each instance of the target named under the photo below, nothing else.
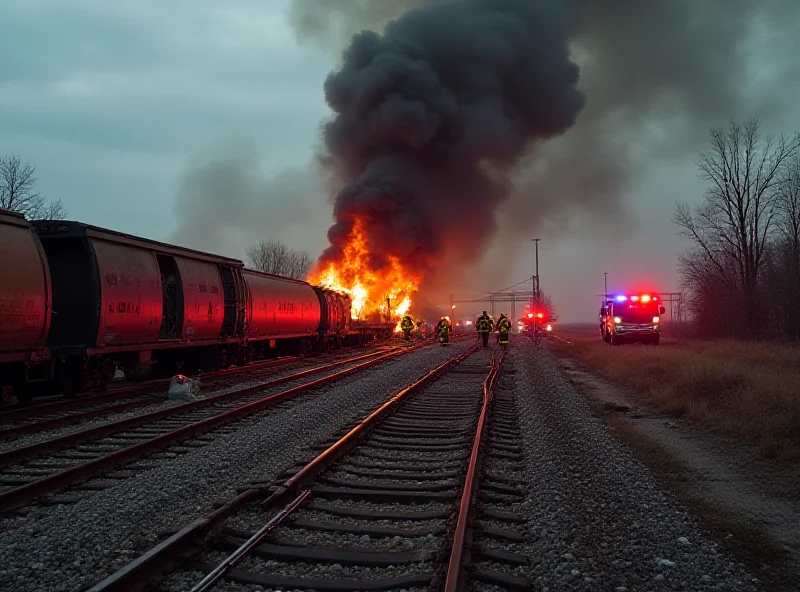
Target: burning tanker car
(78, 302)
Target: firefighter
(503, 329)
(497, 325)
(484, 327)
(443, 329)
(407, 326)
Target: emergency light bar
(635, 298)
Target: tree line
(742, 273)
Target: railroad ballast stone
(59, 548)
(597, 518)
(216, 387)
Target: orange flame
(368, 288)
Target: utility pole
(535, 241)
(605, 284)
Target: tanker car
(78, 302)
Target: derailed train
(78, 302)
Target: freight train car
(335, 316)
(127, 302)
(78, 302)
(25, 307)
(281, 314)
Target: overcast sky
(197, 122)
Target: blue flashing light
(621, 298)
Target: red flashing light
(530, 315)
(540, 315)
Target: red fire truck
(541, 322)
(631, 318)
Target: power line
(525, 281)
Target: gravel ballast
(61, 547)
(223, 386)
(598, 520)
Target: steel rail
(455, 566)
(15, 455)
(32, 410)
(132, 403)
(136, 576)
(21, 496)
(320, 463)
(24, 411)
(211, 579)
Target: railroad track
(35, 417)
(30, 472)
(420, 495)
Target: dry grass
(747, 390)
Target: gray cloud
(108, 99)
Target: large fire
(369, 289)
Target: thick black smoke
(657, 75)
(430, 114)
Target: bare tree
(17, 191)
(744, 172)
(789, 209)
(275, 257)
(786, 252)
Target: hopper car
(79, 302)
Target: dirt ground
(750, 506)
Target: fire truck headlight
(617, 321)
(656, 320)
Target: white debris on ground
(183, 388)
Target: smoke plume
(657, 76)
(430, 115)
(227, 203)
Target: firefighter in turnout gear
(503, 329)
(443, 329)
(497, 325)
(484, 327)
(407, 326)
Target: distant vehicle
(631, 318)
(539, 323)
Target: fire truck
(541, 321)
(631, 318)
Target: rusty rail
(15, 455)
(455, 571)
(34, 409)
(89, 414)
(20, 496)
(136, 576)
